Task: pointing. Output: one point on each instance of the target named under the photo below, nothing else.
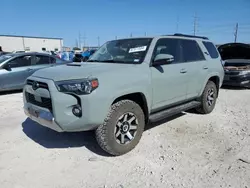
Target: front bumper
(41, 116)
(238, 80)
(55, 108)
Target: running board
(173, 111)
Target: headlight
(244, 72)
(79, 87)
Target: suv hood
(79, 70)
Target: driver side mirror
(162, 59)
(7, 67)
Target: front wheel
(122, 129)
(208, 98)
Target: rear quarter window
(211, 49)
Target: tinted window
(20, 62)
(191, 51)
(211, 49)
(168, 46)
(41, 60)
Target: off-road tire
(205, 108)
(105, 133)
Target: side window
(191, 51)
(168, 46)
(41, 60)
(22, 61)
(211, 49)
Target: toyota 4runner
(125, 84)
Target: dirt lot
(189, 150)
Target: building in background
(66, 49)
(11, 43)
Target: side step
(173, 111)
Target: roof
(30, 37)
(27, 54)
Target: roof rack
(191, 36)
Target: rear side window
(211, 49)
(42, 60)
(191, 51)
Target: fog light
(77, 111)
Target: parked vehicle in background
(125, 84)
(78, 57)
(18, 51)
(15, 68)
(236, 57)
(86, 54)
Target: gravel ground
(188, 150)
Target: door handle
(205, 67)
(28, 69)
(183, 71)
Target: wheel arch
(216, 80)
(139, 98)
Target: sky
(97, 21)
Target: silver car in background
(16, 68)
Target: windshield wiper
(113, 61)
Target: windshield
(4, 58)
(122, 51)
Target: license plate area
(33, 112)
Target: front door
(20, 68)
(169, 81)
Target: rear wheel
(208, 98)
(122, 129)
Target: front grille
(41, 84)
(44, 103)
(232, 72)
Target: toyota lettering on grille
(35, 85)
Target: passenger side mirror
(162, 59)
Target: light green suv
(124, 85)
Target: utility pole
(76, 45)
(195, 24)
(84, 39)
(131, 35)
(177, 25)
(98, 39)
(79, 40)
(236, 32)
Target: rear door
(20, 68)
(195, 65)
(41, 61)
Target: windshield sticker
(136, 60)
(138, 49)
